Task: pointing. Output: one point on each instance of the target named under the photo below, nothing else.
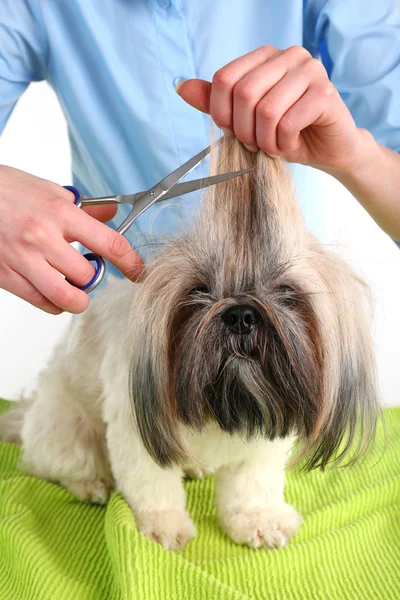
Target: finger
(53, 286)
(224, 80)
(277, 102)
(69, 262)
(101, 213)
(104, 241)
(196, 92)
(312, 108)
(19, 286)
(252, 88)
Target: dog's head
(247, 321)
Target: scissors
(167, 188)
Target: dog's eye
(288, 296)
(199, 289)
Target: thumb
(195, 92)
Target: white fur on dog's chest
(214, 449)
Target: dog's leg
(250, 500)
(62, 444)
(155, 495)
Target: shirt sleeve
(22, 51)
(359, 44)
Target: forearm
(373, 177)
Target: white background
(35, 140)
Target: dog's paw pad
(96, 491)
(270, 527)
(173, 529)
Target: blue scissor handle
(77, 194)
(99, 274)
(90, 256)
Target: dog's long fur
(309, 366)
(153, 379)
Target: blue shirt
(114, 65)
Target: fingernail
(179, 85)
(227, 132)
(251, 148)
(273, 155)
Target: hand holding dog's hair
(245, 335)
(282, 102)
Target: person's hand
(283, 103)
(38, 220)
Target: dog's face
(248, 322)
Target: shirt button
(165, 3)
(177, 80)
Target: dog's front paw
(270, 527)
(173, 529)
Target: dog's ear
(153, 405)
(350, 400)
(152, 384)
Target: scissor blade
(172, 179)
(162, 187)
(180, 189)
(197, 184)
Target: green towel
(52, 546)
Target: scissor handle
(100, 266)
(90, 256)
(76, 193)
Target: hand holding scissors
(39, 221)
(37, 225)
(167, 188)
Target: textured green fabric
(52, 546)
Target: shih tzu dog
(245, 341)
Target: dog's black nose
(240, 318)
